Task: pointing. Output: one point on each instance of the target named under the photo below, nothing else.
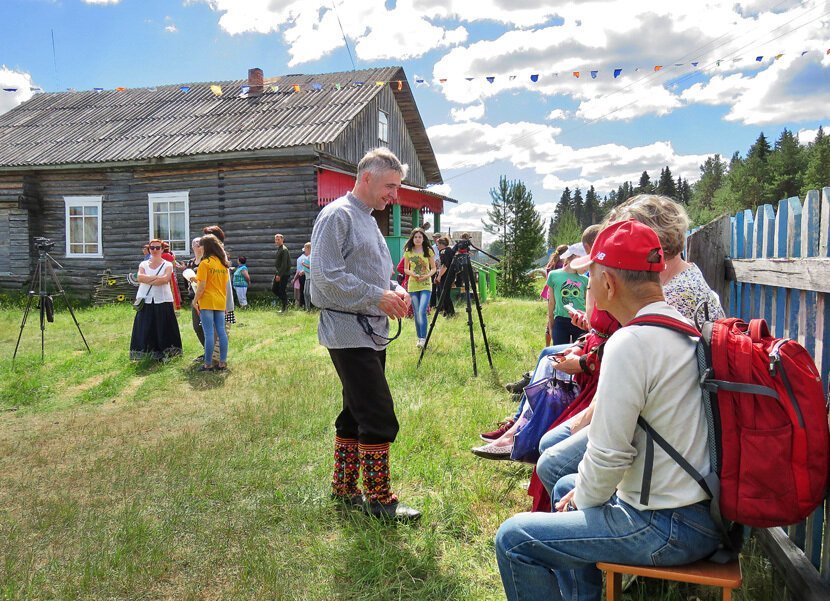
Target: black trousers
(368, 413)
(281, 290)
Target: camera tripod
(45, 305)
(461, 265)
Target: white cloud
(557, 115)
(171, 28)
(21, 82)
(807, 136)
(470, 113)
(469, 146)
(101, 1)
(602, 36)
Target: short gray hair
(381, 160)
(633, 279)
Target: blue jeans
(560, 454)
(213, 324)
(420, 304)
(541, 371)
(552, 555)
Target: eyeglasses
(155, 247)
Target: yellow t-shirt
(215, 275)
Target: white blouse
(158, 293)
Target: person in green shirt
(567, 290)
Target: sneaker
(421, 342)
(498, 432)
(519, 385)
(491, 451)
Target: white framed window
(170, 220)
(83, 226)
(383, 127)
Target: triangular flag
(777, 56)
(336, 86)
(534, 78)
(10, 89)
(185, 89)
(316, 86)
(120, 89)
(490, 79)
(444, 80)
(217, 90)
(243, 90)
(276, 88)
(469, 78)
(594, 74)
(379, 83)
(803, 53)
(678, 64)
(98, 90)
(617, 73)
(717, 63)
(400, 85)
(296, 87)
(758, 59)
(658, 67)
(512, 77)
(694, 64)
(357, 84)
(576, 74)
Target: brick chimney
(255, 82)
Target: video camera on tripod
(43, 244)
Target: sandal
(205, 368)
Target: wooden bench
(726, 576)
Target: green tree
(514, 219)
(817, 172)
(666, 185)
(569, 229)
(591, 211)
(551, 233)
(565, 204)
(578, 206)
(786, 167)
(645, 186)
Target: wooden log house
(102, 172)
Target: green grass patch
(145, 480)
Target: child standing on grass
(241, 280)
(211, 298)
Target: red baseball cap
(628, 245)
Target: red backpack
(769, 440)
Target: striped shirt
(350, 270)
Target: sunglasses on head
(155, 247)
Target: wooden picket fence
(775, 264)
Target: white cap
(574, 250)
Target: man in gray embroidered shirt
(350, 281)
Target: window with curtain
(83, 226)
(170, 220)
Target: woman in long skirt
(155, 329)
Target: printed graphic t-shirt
(568, 289)
(239, 277)
(215, 275)
(418, 264)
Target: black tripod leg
(26, 311)
(481, 319)
(445, 290)
(61, 292)
(465, 278)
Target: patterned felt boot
(378, 498)
(346, 472)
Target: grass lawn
(123, 480)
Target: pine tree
(578, 206)
(569, 229)
(551, 233)
(515, 220)
(712, 174)
(644, 187)
(591, 211)
(562, 207)
(786, 167)
(684, 191)
(750, 182)
(817, 173)
(665, 184)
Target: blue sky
(556, 131)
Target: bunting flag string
(244, 90)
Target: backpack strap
(664, 321)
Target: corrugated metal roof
(72, 128)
